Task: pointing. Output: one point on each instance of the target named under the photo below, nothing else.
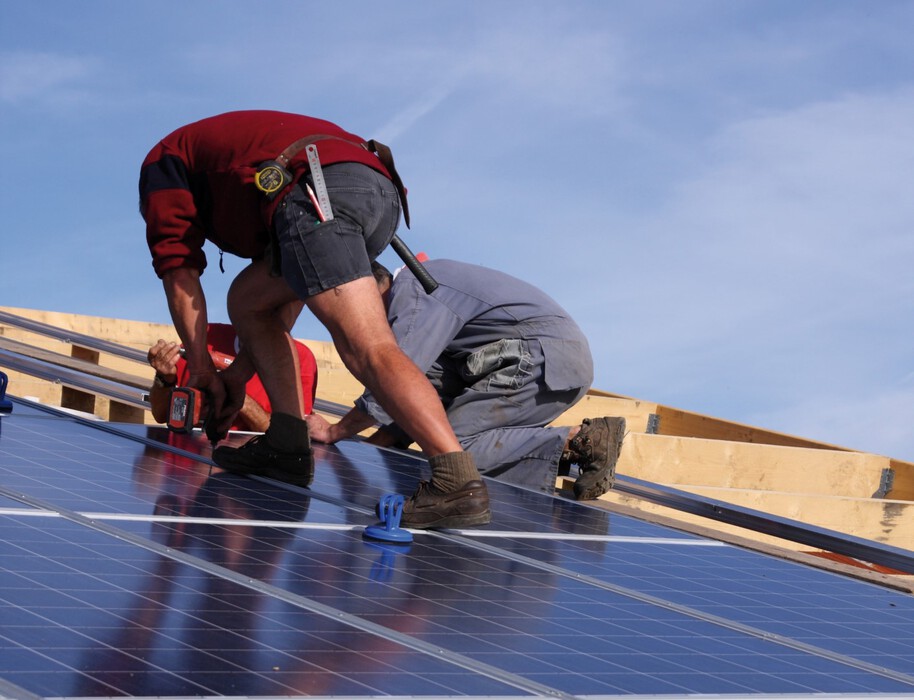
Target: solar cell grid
(221, 585)
(126, 607)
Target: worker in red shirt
(254, 416)
(311, 205)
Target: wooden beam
(122, 413)
(693, 462)
(673, 421)
(637, 414)
(77, 400)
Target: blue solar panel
(129, 566)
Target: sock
(288, 433)
(452, 470)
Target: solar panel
(130, 566)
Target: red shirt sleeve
(172, 234)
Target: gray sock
(452, 470)
(288, 433)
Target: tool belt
(272, 176)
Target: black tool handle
(417, 268)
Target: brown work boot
(595, 449)
(431, 507)
(257, 457)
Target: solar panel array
(130, 566)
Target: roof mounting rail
(85, 341)
(122, 393)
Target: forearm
(253, 415)
(187, 304)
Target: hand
(319, 429)
(214, 393)
(163, 358)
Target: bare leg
(263, 310)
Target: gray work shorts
(318, 256)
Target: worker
(171, 371)
(506, 360)
(246, 181)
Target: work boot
(257, 457)
(595, 449)
(431, 507)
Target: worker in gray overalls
(506, 360)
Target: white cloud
(777, 275)
(804, 211)
(39, 76)
(415, 111)
(533, 68)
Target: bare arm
(253, 415)
(163, 358)
(187, 304)
(355, 316)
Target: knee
(253, 293)
(368, 362)
(241, 302)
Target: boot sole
(595, 490)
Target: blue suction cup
(6, 406)
(390, 508)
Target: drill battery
(185, 407)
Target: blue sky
(719, 191)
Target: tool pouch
(387, 160)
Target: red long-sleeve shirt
(197, 183)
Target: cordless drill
(187, 404)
